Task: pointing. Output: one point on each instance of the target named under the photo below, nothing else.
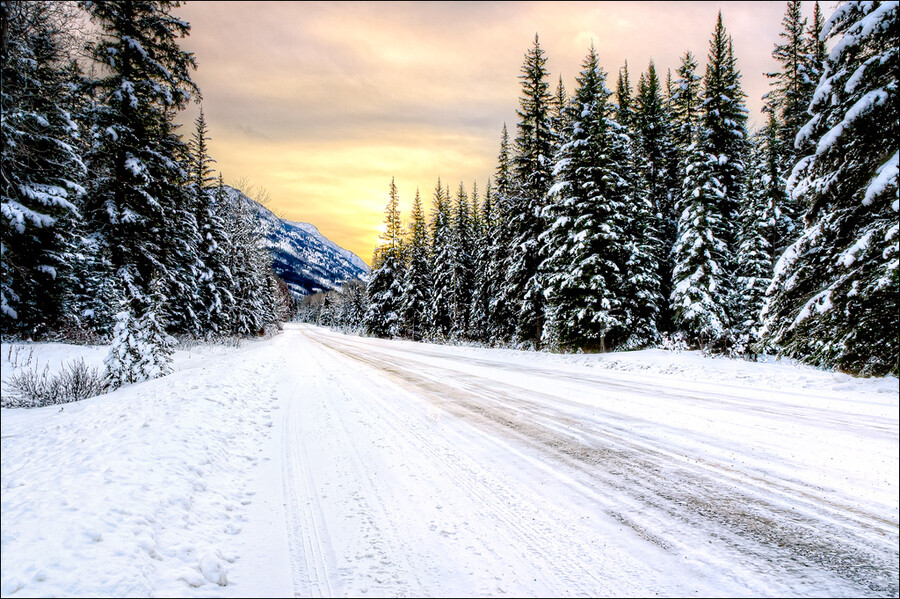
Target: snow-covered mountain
(304, 258)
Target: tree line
(115, 226)
(650, 214)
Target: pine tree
(485, 276)
(533, 163)
(42, 170)
(442, 262)
(724, 116)
(502, 303)
(712, 192)
(684, 104)
(415, 305)
(138, 159)
(354, 304)
(559, 116)
(833, 301)
(586, 256)
(141, 349)
(759, 221)
(793, 86)
(816, 53)
(385, 288)
(462, 275)
(624, 102)
(215, 280)
(791, 93)
(657, 167)
(250, 307)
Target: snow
(135, 166)
(885, 177)
(862, 244)
(315, 463)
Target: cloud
(322, 103)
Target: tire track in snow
(302, 506)
(811, 538)
(493, 501)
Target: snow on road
(317, 464)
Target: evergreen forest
(626, 215)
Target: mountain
(304, 258)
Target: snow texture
(316, 464)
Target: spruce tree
(215, 280)
(139, 192)
(502, 301)
(485, 276)
(684, 104)
(416, 302)
(791, 92)
(814, 62)
(462, 271)
(141, 349)
(833, 301)
(758, 227)
(624, 102)
(559, 116)
(42, 169)
(585, 241)
(249, 301)
(442, 263)
(385, 288)
(657, 167)
(713, 190)
(533, 163)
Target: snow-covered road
(473, 473)
(333, 465)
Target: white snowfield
(319, 464)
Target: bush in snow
(34, 387)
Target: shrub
(34, 388)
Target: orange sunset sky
(322, 103)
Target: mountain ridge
(304, 258)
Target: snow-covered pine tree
(501, 302)
(657, 165)
(816, 54)
(801, 61)
(585, 241)
(791, 93)
(214, 279)
(42, 170)
(624, 101)
(833, 301)
(713, 189)
(462, 272)
(483, 288)
(559, 116)
(533, 164)
(141, 349)
(441, 319)
(354, 304)
(758, 225)
(416, 302)
(385, 288)
(138, 192)
(684, 104)
(248, 262)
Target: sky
(319, 104)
